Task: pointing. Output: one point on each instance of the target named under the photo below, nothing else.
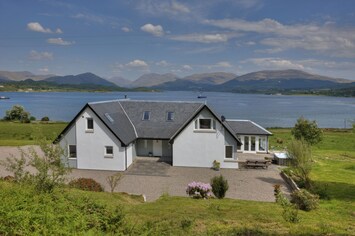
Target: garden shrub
(46, 118)
(219, 186)
(290, 211)
(305, 200)
(86, 184)
(198, 190)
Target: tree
(301, 161)
(17, 112)
(307, 130)
(49, 164)
(219, 186)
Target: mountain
(153, 79)
(85, 78)
(21, 75)
(211, 78)
(281, 79)
(120, 81)
(286, 75)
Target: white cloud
(201, 38)
(179, 7)
(89, 17)
(44, 70)
(275, 63)
(223, 64)
(37, 27)
(170, 8)
(162, 63)
(59, 41)
(34, 55)
(186, 67)
(133, 65)
(126, 29)
(156, 30)
(327, 38)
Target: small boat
(3, 97)
(201, 96)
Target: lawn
(334, 169)
(19, 134)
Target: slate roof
(247, 127)
(124, 118)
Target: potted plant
(216, 165)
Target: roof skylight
(109, 117)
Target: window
(170, 116)
(109, 151)
(72, 151)
(205, 123)
(246, 143)
(229, 152)
(252, 141)
(89, 124)
(262, 144)
(239, 146)
(146, 115)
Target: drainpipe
(125, 154)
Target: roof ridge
(157, 101)
(134, 128)
(260, 127)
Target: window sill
(72, 158)
(89, 131)
(108, 156)
(230, 160)
(205, 131)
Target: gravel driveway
(247, 184)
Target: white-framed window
(108, 151)
(205, 124)
(89, 124)
(72, 151)
(228, 152)
(170, 116)
(146, 115)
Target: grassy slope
(18, 134)
(334, 166)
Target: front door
(157, 148)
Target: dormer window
(146, 115)
(170, 116)
(205, 124)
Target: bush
(307, 130)
(113, 181)
(46, 118)
(18, 113)
(216, 165)
(219, 186)
(290, 211)
(86, 184)
(304, 200)
(198, 190)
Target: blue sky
(131, 38)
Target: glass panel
(170, 116)
(90, 123)
(72, 151)
(229, 152)
(146, 115)
(262, 144)
(109, 150)
(205, 123)
(239, 147)
(246, 143)
(252, 146)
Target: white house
(110, 135)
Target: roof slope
(157, 126)
(114, 117)
(247, 127)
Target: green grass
(19, 134)
(334, 169)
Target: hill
(210, 78)
(120, 81)
(153, 79)
(85, 78)
(21, 75)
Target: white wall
(198, 148)
(129, 151)
(91, 145)
(69, 138)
